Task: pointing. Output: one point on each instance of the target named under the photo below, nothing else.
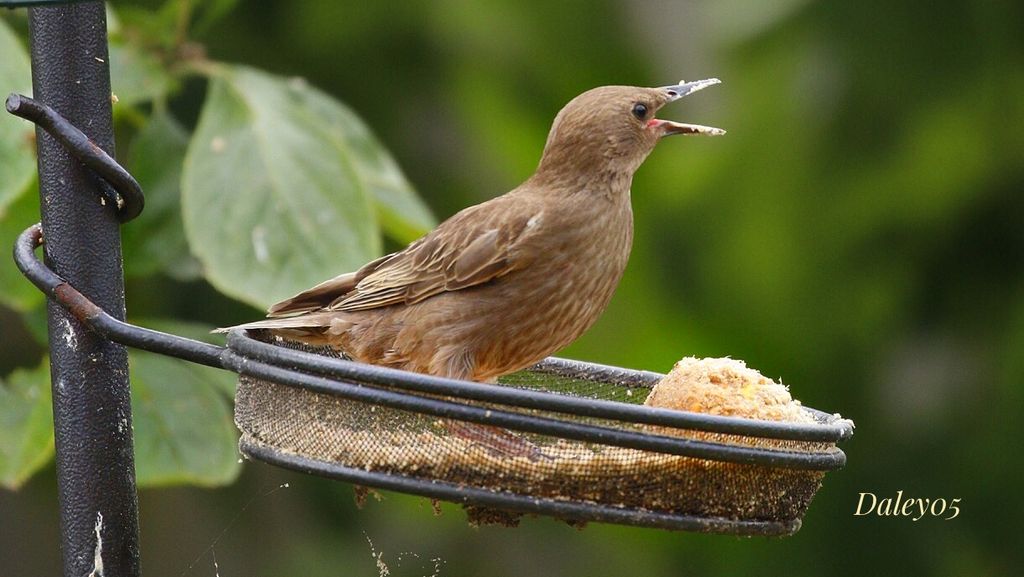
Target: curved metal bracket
(122, 191)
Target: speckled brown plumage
(503, 284)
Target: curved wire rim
(569, 510)
(97, 319)
(827, 460)
(833, 429)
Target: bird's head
(612, 129)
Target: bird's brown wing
(324, 293)
(473, 247)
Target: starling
(503, 284)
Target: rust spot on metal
(76, 303)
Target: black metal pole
(91, 398)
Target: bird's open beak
(669, 127)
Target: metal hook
(123, 191)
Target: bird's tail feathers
(311, 321)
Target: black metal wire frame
(260, 360)
(347, 379)
(121, 190)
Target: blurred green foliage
(277, 183)
(859, 233)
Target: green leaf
(183, 428)
(155, 241)
(276, 191)
(211, 12)
(403, 216)
(136, 75)
(16, 291)
(17, 144)
(182, 419)
(26, 425)
(35, 320)
(155, 28)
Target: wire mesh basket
(600, 454)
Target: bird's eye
(640, 110)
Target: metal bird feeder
(604, 457)
(373, 426)
(601, 455)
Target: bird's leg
(496, 440)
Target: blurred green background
(859, 233)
